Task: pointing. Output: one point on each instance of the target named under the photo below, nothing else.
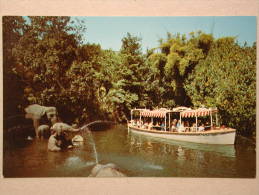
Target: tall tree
(44, 53)
(13, 29)
(170, 66)
(226, 79)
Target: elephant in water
(58, 141)
(43, 131)
(108, 170)
(37, 113)
(64, 127)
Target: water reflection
(169, 146)
(134, 154)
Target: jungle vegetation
(46, 62)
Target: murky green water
(135, 156)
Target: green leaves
(53, 68)
(226, 79)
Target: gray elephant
(43, 131)
(64, 127)
(37, 112)
(54, 143)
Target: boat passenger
(162, 126)
(194, 127)
(145, 126)
(207, 126)
(156, 126)
(201, 127)
(178, 124)
(173, 127)
(138, 123)
(150, 125)
(181, 128)
(187, 126)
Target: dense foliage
(226, 79)
(46, 62)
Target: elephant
(63, 127)
(53, 144)
(37, 112)
(108, 170)
(77, 138)
(43, 131)
(58, 141)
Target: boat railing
(186, 129)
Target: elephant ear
(50, 112)
(35, 111)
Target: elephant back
(34, 111)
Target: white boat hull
(226, 136)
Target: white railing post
(196, 122)
(211, 119)
(165, 122)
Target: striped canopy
(160, 113)
(197, 112)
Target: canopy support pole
(165, 122)
(211, 119)
(140, 119)
(196, 123)
(169, 121)
(217, 123)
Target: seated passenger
(162, 126)
(150, 125)
(173, 127)
(138, 123)
(187, 126)
(146, 125)
(156, 126)
(194, 127)
(207, 126)
(178, 124)
(181, 128)
(132, 122)
(201, 127)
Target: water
(94, 147)
(135, 155)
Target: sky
(108, 31)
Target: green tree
(13, 29)
(44, 54)
(226, 79)
(171, 63)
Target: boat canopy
(158, 113)
(198, 112)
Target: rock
(108, 170)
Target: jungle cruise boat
(181, 124)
